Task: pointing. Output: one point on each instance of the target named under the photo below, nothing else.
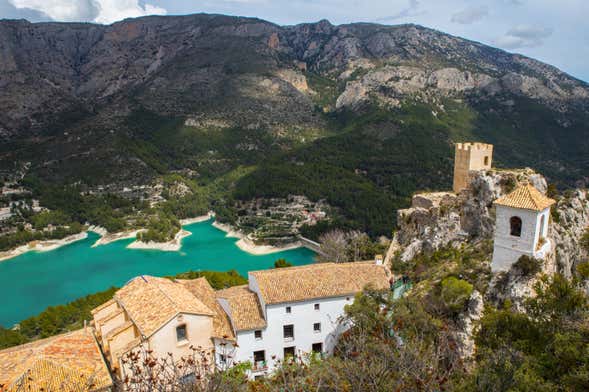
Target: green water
(31, 282)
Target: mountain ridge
(297, 110)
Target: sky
(553, 31)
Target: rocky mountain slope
(349, 113)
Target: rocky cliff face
(75, 92)
(444, 218)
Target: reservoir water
(31, 282)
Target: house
(294, 311)
(160, 315)
(70, 362)
(280, 312)
(521, 228)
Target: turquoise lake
(31, 282)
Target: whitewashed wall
(507, 248)
(303, 315)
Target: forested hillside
(232, 109)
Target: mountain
(361, 115)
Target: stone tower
(470, 156)
(521, 227)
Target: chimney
(378, 260)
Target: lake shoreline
(42, 246)
(175, 245)
(246, 244)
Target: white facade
(533, 240)
(304, 317)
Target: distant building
(521, 227)
(468, 157)
(70, 362)
(280, 312)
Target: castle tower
(521, 227)
(470, 156)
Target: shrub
(455, 293)
(527, 265)
(585, 241)
(282, 263)
(583, 269)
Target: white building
(521, 227)
(280, 312)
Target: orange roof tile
(244, 307)
(150, 302)
(71, 361)
(320, 280)
(202, 290)
(526, 197)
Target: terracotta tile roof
(104, 305)
(202, 290)
(150, 302)
(123, 327)
(526, 197)
(68, 362)
(245, 310)
(320, 280)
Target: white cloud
(62, 10)
(524, 36)
(412, 9)
(470, 15)
(113, 10)
(99, 11)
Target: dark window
(258, 334)
(486, 161)
(181, 333)
(316, 306)
(515, 224)
(259, 360)
(288, 309)
(317, 347)
(317, 327)
(259, 356)
(347, 298)
(289, 352)
(222, 359)
(188, 379)
(288, 331)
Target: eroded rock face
(443, 218)
(390, 84)
(567, 227)
(467, 322)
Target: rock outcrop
(443, 218)
(569, 222)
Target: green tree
(282, 263)
(455, 293)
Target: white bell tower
(521, 227)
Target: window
(189, 379)
(317, 347)
(288, 309)
(316, 306)
(289, 352)
(288, 331)
(181, 333)
(258, 334)
(347, 298)
(515, 224)
(259, 360)
(222, 359)
(486, 161)
(317, 327)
